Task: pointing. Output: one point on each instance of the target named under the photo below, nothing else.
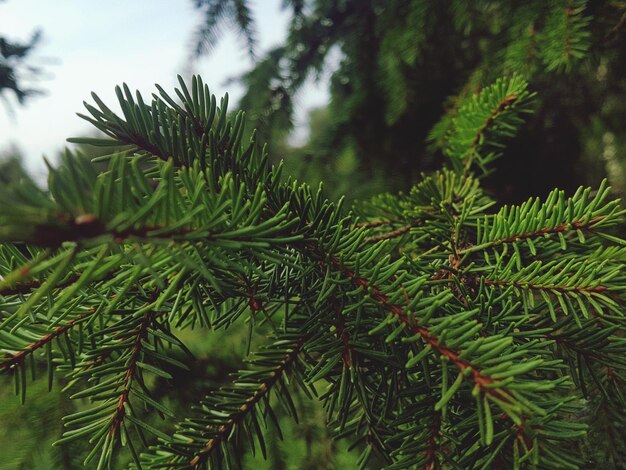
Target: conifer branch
(253, 243)
(17, 359)
(482, 119)
(534, 220)
(479, 136)
(389, 235)
(598, 289)
(430, 454)
(221, 433)
(482, 381)
(131, 371)
(562, 228)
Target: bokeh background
(356, 93)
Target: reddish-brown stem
(468, 156)
(18, 358)
(88, 226)
(389, 235)
(481, 380)
(223, 431)
(342, 334)
(576, 225)
(506, 101)
(431, 450)
(569, 12)
(27, 287)
(374, 224)
(135, 354)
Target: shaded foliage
(400, 60)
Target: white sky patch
(91, 45)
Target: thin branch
(576, 225)
(89, 226)
(131, 371)
(507, 101)
(483, 381)
(27, 287)
(389, 235)
(431, 450)
(224, 431)
(342, 334)
(615, 30)
(374, 223)
(14, 360)
(550, 287)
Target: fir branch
(430, 454)
(223, 431)
(485, 119)
(556, 215)
(194, 450)
(389, 235)
(542, 232)
(131, 370)
(17, 359)
(482, 381)
(598, 289)
(505, 102)
(565, 37)
(589, 282)
(254, 243)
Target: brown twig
(389, 235)
(224, 430)
(16, 359)
(131, 371)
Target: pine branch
(572, 226)
(389, 235)
(232, 411)
(546, 287)
(483, 382)
(14, 360)
(222, 432)
(565, 36)
(397, 331)
(116, 366)
(140, 335)
(557, 215)
(485, 119)
(587, 282)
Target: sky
(93, 45)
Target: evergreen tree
(436, 330)
(406, 66)
(15, 69)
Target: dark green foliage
(401, 69)
(435, 331)
(14, 68)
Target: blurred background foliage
(399, 70)
(16, 70)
